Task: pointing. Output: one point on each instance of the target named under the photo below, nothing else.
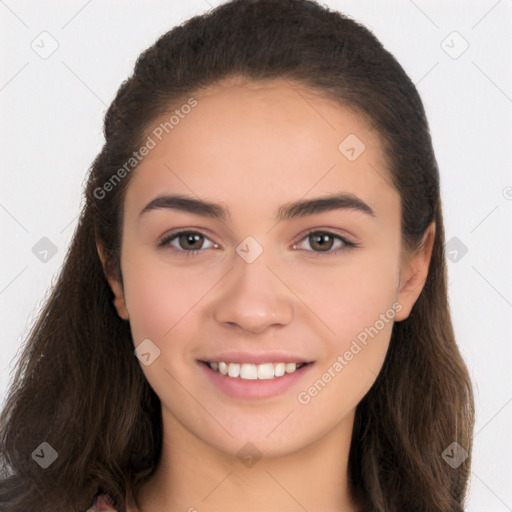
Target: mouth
(250, 371)
(244, 380)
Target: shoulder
(102, 503)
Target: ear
(413, 274)
(116, 287)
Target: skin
(253, 147)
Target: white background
(52, 111)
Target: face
(240, 283)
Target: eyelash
(347, 244)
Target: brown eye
(190, 240)
(325, 242)
(186, 242)
(321, 241)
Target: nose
(254, 297)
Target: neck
(193, 476)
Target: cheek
(357, 306)
(351, 294)
(154, 298)
(161, 297)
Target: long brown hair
(78, 386)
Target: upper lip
(256, 357)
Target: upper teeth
(254, 371)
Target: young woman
(253, 311)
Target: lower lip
(256, 388)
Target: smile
(249, 371)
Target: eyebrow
(287, 211)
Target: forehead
(268, 141)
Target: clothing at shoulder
(102, 503)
